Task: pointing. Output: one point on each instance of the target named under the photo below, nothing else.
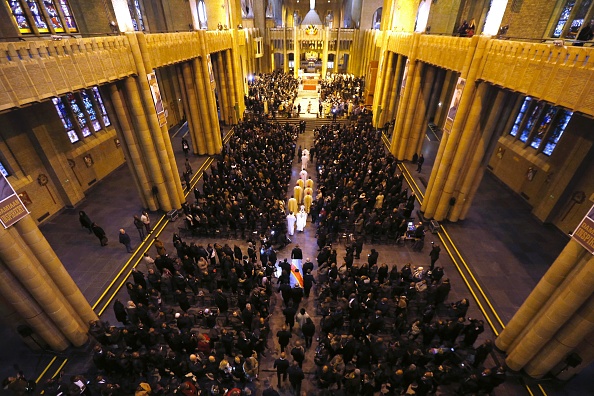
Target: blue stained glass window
(68, 15)
(53, 15)
(66, 120)
(563, 18)
(90, 111)
(80, 116)
(139, 14)
(132, 13)
(19, 16)
(560, 126)
(38, 16)
(3, 170)
(531, 120)
(544, 126)
(99, 101)
(520, 117)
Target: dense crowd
(271, 93)
(341, 94)
(196, 321)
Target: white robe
(303, 175)
(301, 219)
(291, 223)
(304, 161)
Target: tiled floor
(507, 248)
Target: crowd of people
(197, 321)
(340, 95)
(272, 93)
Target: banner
(584, 233)
(453, 109)
(156, 93)
(404, 77)
(11, 206)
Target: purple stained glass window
(38, 18)
(54, 17)
(3, 170)
(68, 15)
(99, 101)
(19, 16)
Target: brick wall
(528, 18)
(443, 17)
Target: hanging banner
(584, 233)
(453, 109)
(11, 206)
(404, 77)
(156, 93)
(211, 72)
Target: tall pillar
(24, 304)
(146, 144)
(463, 150)
(572, 293)
(436, 203)
(137, 163)
(476, 168)
(564, 342)
(415, 79)
(202, 86)
(447, 89)
(221, 79)
(26, 269)
(325, 34)
(568, 259)
(160, 135)
(236, 84)
(393, 89)
(191, 104)
(43, 252)
(433, 105)
(585, 351)
(381, 98)
(419, 126)
(213, 136)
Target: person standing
(434, 254)
(146, 220)
(139, 227)
(281, 365)
(283, 337)
(125, 240)
(296, 253)
(185, 147)
(85, 221)
(420, 163)
(301, 219)
(308, 329)
(296, 376)
(100, 234)
(292, 205)
(291, 223)
(308, 281)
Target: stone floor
(506, 247)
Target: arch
(376, 19)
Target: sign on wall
(157, 100)
(11, 206)
(584, 233)
(453, 109)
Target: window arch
(202, 19)
(376, 20)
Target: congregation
(197, 321)
(271, 93)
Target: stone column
(221, 82)
(26, 269)
(411, 110)
(146, 145)
(194, 122)
(384, 83)
(585, 350)
(569, 296)
(393, 89)
(137, 163)
(42, 250)
(568, 259)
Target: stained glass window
(99, 101)
(78, 113)
(136, 14)
(88, 103)
(558, 130)
(520, 117)
(3, 170)
(202, 15)
(38, 17)
(563, 18)
(544, 126)
(66, 120)
(531, 120)
(19, 16)
(54, 17)
(68, 15)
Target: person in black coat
(309, 330)
(308, 281)
(120, 312)
(372, 257)
(85, 221)
(283, 337)
(434, 254)
(100, 234)
(296, 253)
(290, 313)
(281, 365)
(296, 376)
